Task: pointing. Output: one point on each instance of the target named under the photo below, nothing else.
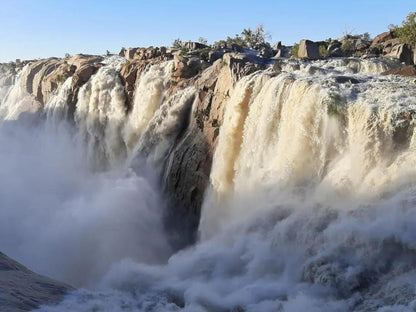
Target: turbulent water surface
(311, 205)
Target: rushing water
(311, 206)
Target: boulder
(129, 53)
(408, 71)
(191, 45)
(23, 290)
(215, 55)
(334, 49)
(388, 45)
(403, 53)
(277, 45)
(383, 37)
(265, 51)
(308, 49)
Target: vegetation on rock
(407, 33)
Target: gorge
(156, 181)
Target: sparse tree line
(257, 39)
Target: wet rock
(346, 79)
(23, 290)
(408, 71)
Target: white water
(311, 206)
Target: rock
(215, 55)
(404, 71)
(402, 53)
(280, 50)
(379, 39)
(129, 73)
(242, 64)
(388, 45)
(346, 79)
(277, 45)
(29, 75)
(308, 49)
(186, 67)
(80, 77)
(23, 290)
(191, 45)
(236, 48)
(129, 53)
(334, 49)
(414, 54)
(265, 51)
(79, 60)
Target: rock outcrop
(23, 290)
(308, 49)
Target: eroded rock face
(23, 290)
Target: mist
(64, 220)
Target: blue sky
(40, 28)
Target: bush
(253, 39)
(177, 43)
(407, 33)
(323, 52)
(347, 46)
(294, 50)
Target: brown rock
(407, 71)
(383, 37)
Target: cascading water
(311, 205)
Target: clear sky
(40, 28)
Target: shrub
(294, 50)
(347, 46)
(203, 40)
(407, 33)
(253, 39)
(323, 52)
(177, 43)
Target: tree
(203, 40)
(177, 43)
(407, 33)
(255, 39)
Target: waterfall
(310, 204)
(302, 132)
(16, 100)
